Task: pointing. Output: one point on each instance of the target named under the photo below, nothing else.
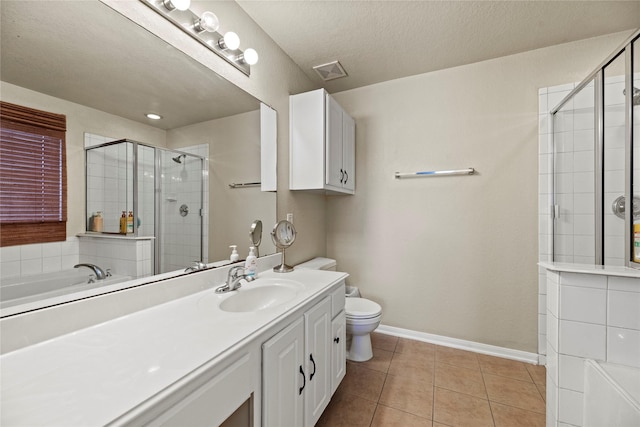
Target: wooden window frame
(17, 117)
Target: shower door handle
(556, 211)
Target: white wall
(453, 256)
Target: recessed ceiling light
(153, 116)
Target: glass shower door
(179, 213)
(574, 183)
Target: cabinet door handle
(304, 381)
(346, 177)
(314, 367)
(336, 340)
(341, 176)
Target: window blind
(32, 175)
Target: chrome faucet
(197, 265)
(233, 280)
(100, 274)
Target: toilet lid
(361, 307)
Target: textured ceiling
(383, 40)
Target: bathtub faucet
(100, 274)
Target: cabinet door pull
(346, 177)
(336, 340)
(304, 381)
(314, 367)
(341, 176)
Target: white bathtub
(611, 395)
(26, 289)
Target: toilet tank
(318, 263)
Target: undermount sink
(260, 295)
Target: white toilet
(363, 316)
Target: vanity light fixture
(207, 22)
(204, 28)
(229, 41)
(250, 56)
(176, 4)
(153, 116)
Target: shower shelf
(468, 171)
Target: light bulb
(250, 56)
(207, 22)
(177, 4)
(153, 116)
(229, 41)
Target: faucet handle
(108, 272)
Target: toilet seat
(361, 308)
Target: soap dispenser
(234, 253)
(251, 263)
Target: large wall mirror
(105, 73)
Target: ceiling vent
(332, 70)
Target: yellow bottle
(636, 242)
(123, 223)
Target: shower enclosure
(596, 165)
(158, 191)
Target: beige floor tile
(408, 394)
(504, 367)
(383, 341)
(460, 410)
(521, 394)
(543, 391)
(412, 365)
(538, 373)
(406, 345)
(362, 382)
(348, 411)
(508, 416)
(389, 417)
(453, 356)
(463, 380)
(380, 361)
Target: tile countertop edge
(591, 269)
(106, 360)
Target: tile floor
(414, 384)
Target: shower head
(179, 158)
(636, 96)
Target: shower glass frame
(132, 186)
(628, 50)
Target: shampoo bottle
(234, 253)
(130, 222)
(123, 223)
(251, 264)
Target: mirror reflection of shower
(179, 158)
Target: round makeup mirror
(255, 235)
(283, 236)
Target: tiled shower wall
(181, 236)
(574, 165)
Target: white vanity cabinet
(303, 364)
(338, 338)
(322, 144)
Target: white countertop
(605, 270)
(94, 375)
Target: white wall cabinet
(322, 144)
(297, 382)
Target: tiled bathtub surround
(590, 315)
(24, 260)
(413, 383)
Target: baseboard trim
(492, 350)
